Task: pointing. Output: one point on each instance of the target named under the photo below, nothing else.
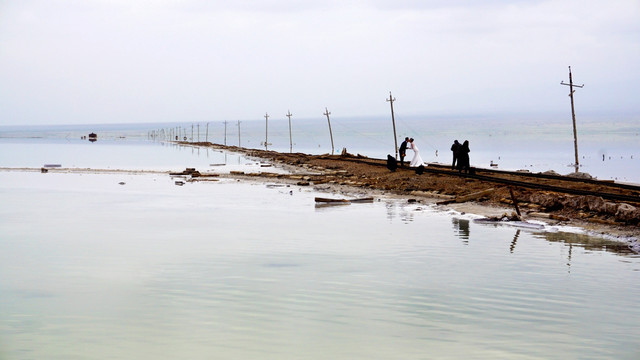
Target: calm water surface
(609, 145)
(91, 269)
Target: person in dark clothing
(403, 150)
(455, 148)
(392, 163)
(463, 157)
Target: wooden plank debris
(465, 198)
(344, 201)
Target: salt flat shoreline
(346, 177)
(327, 180)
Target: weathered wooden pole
(290, 138)
(573, 116)
(238, 134)
(515, 201)
(391, 99)
(198, 132)
(266, 131)
(327, 113)
(206, 136)
(225, 132)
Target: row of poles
(180, 133)
(289, 115)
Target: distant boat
(93, 137)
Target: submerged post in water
(391, 99)
(290, 138)
(573, 115)
(327, 113)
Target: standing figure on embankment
(403, 150)
(417, 159)
(454, 149)
(463, 157)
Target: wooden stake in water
(327, 113)
(573, 115)
(290, 138)
(206, 136)
(391, 99)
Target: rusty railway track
(626, 192)
(495, 177)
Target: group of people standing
(460, 154)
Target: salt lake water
(608, 145)
(92, 269)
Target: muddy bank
(365, 175)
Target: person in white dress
(417, 159)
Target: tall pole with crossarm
(327, 113)
(573, 115)
(266, 131)
(391, 99)
(289, 115)
(239, 139)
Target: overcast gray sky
(123, 61)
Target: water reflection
(515, 240)
(587, 242)
(321, 206)
(399, 210)
(404, 211)
(461, 229)
(359, 288)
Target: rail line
(552, 177)
(445, 170)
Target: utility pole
(266, 131)
(198, 132)
(327, 113)
(573, 115)
(225, 132)
(290, 138)
(206, 137)
(391, 99)
(225, 138)
(191, 132)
